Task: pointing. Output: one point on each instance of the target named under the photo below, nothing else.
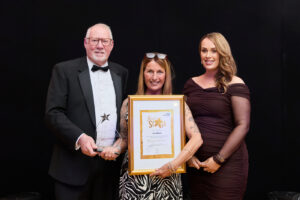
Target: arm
(120, 145)
(241, 111)
(56, 113)
(124, 126)
(195, 141)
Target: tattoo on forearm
(187, 110)
(194, 128)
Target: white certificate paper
(157, 140)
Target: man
(82, 110)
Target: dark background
(264, 37)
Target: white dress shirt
(105, 106)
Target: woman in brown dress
(220, 104)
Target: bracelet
(171, 168)
(218, 159)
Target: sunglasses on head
(158, 55)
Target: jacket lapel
(86, 87)
(118, 88)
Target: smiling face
(209, 56)
(154, 77)
(98, 53)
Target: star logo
(104, 117)
(160, 123)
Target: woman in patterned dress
(155, 79)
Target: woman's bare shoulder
(236, 79)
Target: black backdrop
(263, 34)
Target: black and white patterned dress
(144, 187)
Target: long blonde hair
(166, 65)
(227, 67)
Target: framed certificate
(156, 133)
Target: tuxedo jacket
(70, 112)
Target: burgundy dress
(215, 115)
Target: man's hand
(87, 145)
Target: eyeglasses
(104, 41)
(158, 55)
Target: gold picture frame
(156, 132)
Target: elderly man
(82, 110)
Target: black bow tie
(95, 68)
